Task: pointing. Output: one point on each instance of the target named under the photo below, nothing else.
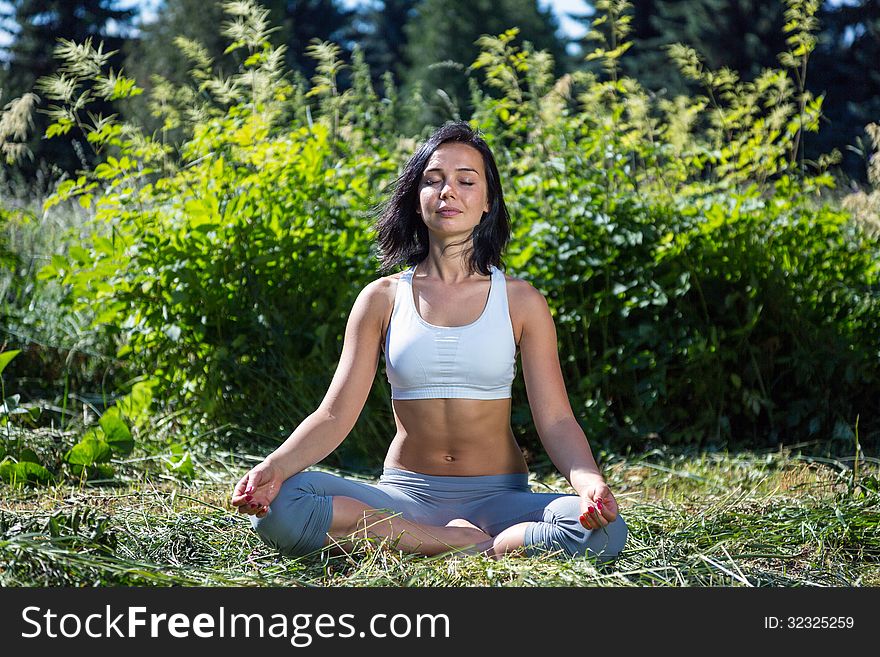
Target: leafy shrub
(90, 457)
(60, 349)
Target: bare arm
(559, 431)
(324, 430)
(313, 440)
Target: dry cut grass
(712, 519)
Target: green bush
(60, 347)
(740, 322)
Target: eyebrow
(458, 169)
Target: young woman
(450, 326)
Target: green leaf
(101, 471)
(78, 253)
(117, 433)
(48, 272)
(60, 127)
(182, 466)
(137, 403)
(24, 472)
(27, 454)
(10, 405)
(90, 450)
(6, 357)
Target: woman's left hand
(598, 506)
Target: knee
(298, 518)
(563, 533)
(606, 543)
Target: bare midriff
(454, 437)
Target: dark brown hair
(401, 235)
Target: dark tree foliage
(34, 27)
(301, 21)
(295, 23)
(846, 66)
(445, 32)
(743, 35)
(380, 31)
(746, 36)
(155, 53)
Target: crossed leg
(353, 518)
(317, 509)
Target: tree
(746, 36)
(301, 21)
(743, 35)
(846, 67)
(156, 52)
(35, 27)
(441, 45)
(294, 23)
(380, 29)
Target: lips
(448, 212)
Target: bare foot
(461, 522)
(482, 540)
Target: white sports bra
(474, 361)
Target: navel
(449, 458)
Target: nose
(446, 190)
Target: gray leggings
(299, 517)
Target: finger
(595, 515)
(262, 495)
(241, 485)
(241, 498)
(251, 509)
(253, 482)
(608, 508)
(585, 518)
(586, 522)
(598, 519)
(589, 518)
(238, 494)
(603, 510)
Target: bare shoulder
(526, 304)
(524, 296)
(380, 294)
(384, 288)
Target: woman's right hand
(255, 491)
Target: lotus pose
(450, 326)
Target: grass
(777, 519)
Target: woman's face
(453, 191)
